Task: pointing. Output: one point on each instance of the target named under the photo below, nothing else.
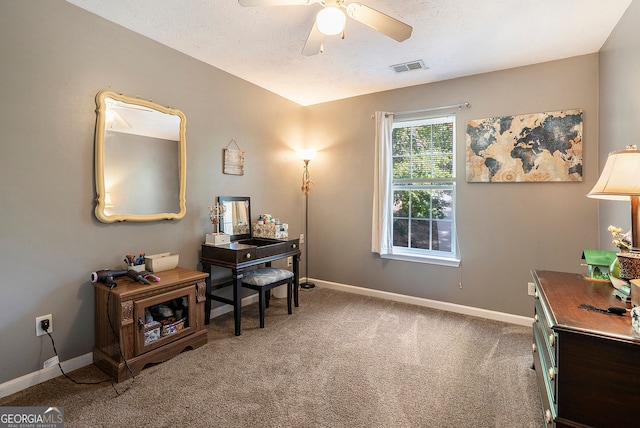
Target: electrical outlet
(531, 288)
(301, 238)
(39, 330)
(289, 261)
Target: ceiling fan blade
(385, 24)
(313, 45)
(259, 3)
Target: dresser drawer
(548, 369)
(545, 350)
(547, 334)
(545, 388)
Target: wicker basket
(629, 265)
(271, 231)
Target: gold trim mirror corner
(140, 160)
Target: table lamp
(620, 181)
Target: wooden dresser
(587, 363)
(138, 324)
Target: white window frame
(421, 255)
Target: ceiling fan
(331, 20)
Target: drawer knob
(548, 416)
(534, 347)
(552, 339)
(535, 317)
(247, 256)
(552, 373)
(294, 246)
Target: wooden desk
(587, 363)
(238, 256)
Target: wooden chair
(263, 280)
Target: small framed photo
(233, 160)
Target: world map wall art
(536, 147)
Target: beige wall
(505, 229)
(619, 107)
(55, 58)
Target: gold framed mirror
(140, 160)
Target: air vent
(409, 66)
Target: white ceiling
(454, 38)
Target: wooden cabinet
(138, 324)
(587, 363)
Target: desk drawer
(227, 254)
(272, 249)
(267, 248)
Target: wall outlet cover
(39, 330)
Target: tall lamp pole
(306, 156)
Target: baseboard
(434, 304)
(23, 382)
(221, 310)
(31, 379)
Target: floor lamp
(306, 156)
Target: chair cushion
(265, 276)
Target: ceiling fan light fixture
(331, 21)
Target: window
(420, 210)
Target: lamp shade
(331, 20)
(620, 177)
(307, 155)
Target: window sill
(432, 260)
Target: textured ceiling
(454, 38)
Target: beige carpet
(341, 360)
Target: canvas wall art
(537, 147)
